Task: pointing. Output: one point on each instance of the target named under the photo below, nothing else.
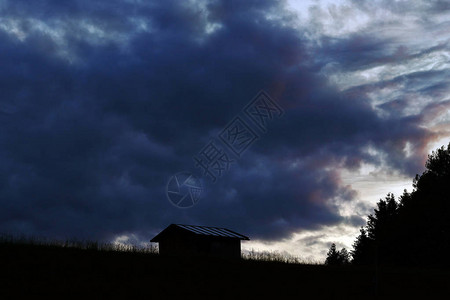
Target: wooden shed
(191, 240)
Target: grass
(70, 269)
(10, 240)
(274, 256)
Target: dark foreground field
(32, 270)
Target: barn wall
(226, 248)
(177, 245)
(200, 246)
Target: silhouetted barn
(178, 239)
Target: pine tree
(332, 256)
(344, 257)
(416, 229)
(335, 257)
(362, 249)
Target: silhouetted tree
(335, 257)
(332, 256)
(379, 223)
(362, 249)
(344, 257)
(416, 229)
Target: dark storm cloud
(261, 185)
(103, 101)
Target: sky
(103, 102)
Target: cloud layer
(103, 101)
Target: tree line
(413, 230)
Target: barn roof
(201, 230)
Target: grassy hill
(90, 271)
